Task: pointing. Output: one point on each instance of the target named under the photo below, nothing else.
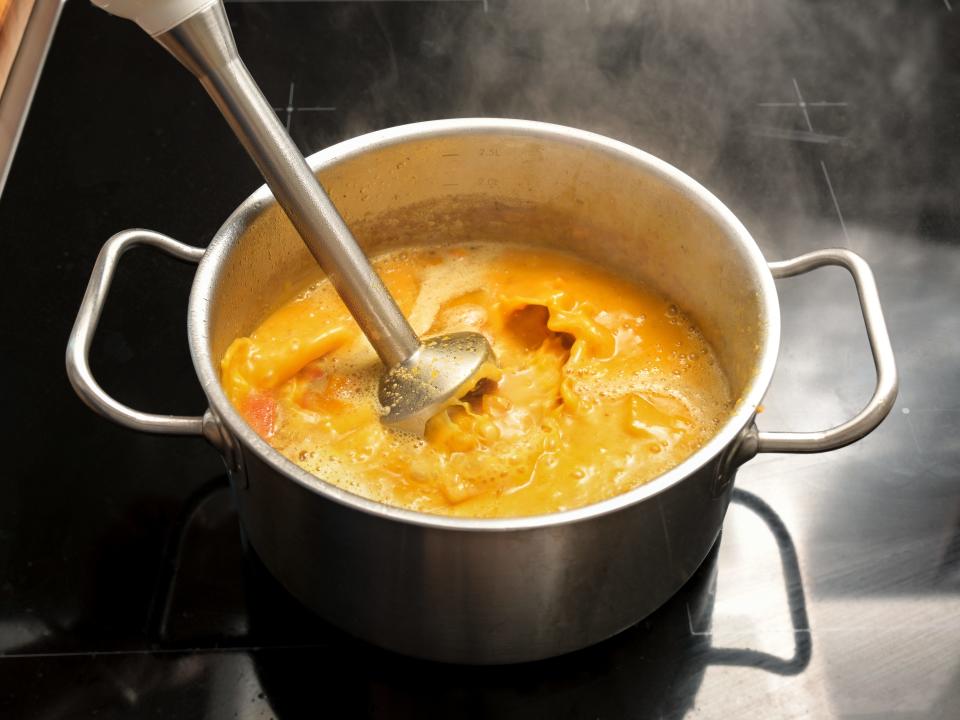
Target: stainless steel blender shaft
(204, 43)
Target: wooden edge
(13, 20)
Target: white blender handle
(154, 16)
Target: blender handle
(81, 336)
(885, 392)
(154, 16)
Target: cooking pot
(491, 590)
(655, 669)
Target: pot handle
(78, 346)
(886, 387)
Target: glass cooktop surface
(834, 591)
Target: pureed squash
(603, 385)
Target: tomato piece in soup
(260, 410)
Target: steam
(705, 84)
(660, 75)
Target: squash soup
(603, 385)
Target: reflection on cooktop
(835, 589)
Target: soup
(603, 385)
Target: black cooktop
(834, 591)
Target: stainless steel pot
(504, 590)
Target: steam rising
(710, 86)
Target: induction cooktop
(126, 590)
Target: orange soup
(605, 385)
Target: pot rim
(208, 272)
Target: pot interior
(517, 183)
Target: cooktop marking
(836, 205)
(809, 135)
(690, 624)
(290, 108)
(815, 103)
(798, 135)
(803, 105)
